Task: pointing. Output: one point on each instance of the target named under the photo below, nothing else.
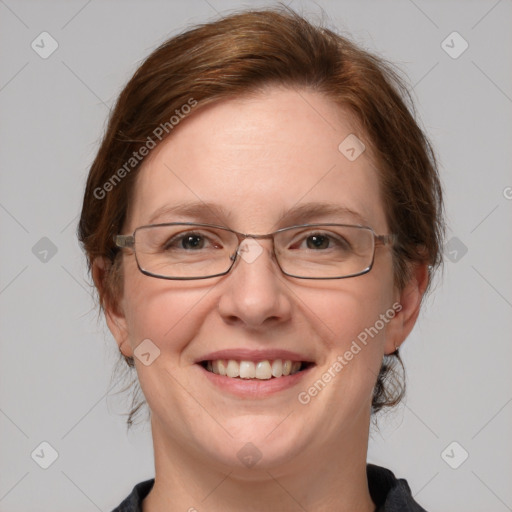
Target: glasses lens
(325, 251)
(184, 251)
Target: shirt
(387, 492)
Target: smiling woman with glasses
(262, 221)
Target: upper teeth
(253, 370)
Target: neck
(334, 479)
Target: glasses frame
(128, 242)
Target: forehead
(255, 158)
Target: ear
(410, 301)
(112, 306)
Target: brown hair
(241, 53)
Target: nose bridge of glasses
(251, 246)
(258, 239)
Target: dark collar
(387, 492)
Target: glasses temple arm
(124, 241)
(386, 239)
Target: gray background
(56, 360)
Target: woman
(262, 221)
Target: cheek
(352, 322)
(169, 315)
(166, 312)
(348, 309)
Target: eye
(321, 241)
(191, 241)
(317, 242)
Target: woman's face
(248, 163)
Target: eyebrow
(212, 213)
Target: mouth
(254, 374)
(267, 369)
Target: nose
(254, 292)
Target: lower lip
(254, 388)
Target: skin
(258, 156)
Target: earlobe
(112, 305)
(118, 329)
(410, 301)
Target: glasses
(200, 251)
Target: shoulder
(133, 502)
(389, 493)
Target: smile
(261, 370)
(254, 374)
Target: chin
(257, 443)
